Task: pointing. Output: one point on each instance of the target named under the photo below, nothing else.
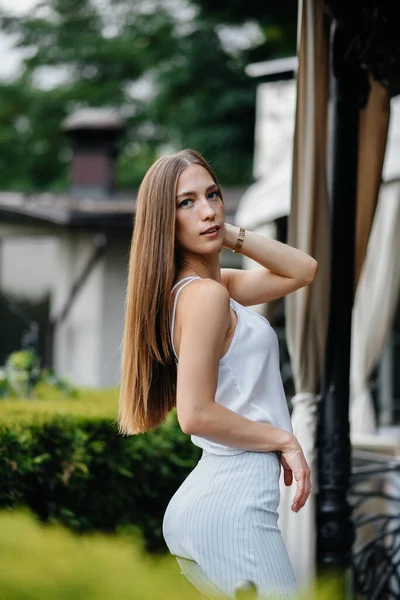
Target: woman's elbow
(191, 424)
(312, 271)
(186, 426)
(187, 423)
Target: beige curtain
(307, 309)
(375, 305)
(374, 124)
(376, 277)
(309, 228)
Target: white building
(74, 249)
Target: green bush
(23, 376)
(65, 461)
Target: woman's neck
(206, 267)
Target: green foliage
(44, 563)
(22, 376)
(199, 93)
(21, 371)
(30, 146)
(98, 69)
(75, 469)
(64, 460)
(206, 102)
(277, 22)
(236, 11)
(89, 404)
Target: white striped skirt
(221, 525)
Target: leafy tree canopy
(175, 68)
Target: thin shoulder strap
(181, 281)
(187, 280)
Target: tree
(97, 69)
(30, 138)
(205, 101)
(106, 52)
(277, 22)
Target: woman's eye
(213, 195)
(185, 202)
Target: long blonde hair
(148, 369)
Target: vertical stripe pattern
(221, 525)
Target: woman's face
(200, 214)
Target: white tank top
(249, 378)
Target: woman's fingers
(303, 489)
(288, 477)
(294, 461)
(298, 499)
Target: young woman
(190, 342)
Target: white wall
(113, 306)
(77, 339)
(28, 266)
(274, 127)
(87, 343)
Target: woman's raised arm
(284, 269)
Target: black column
(334, 528)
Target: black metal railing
(375, 499)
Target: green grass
(46, 562)
(91, 404)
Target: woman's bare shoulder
(206, 296)
(203, 318)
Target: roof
(268, 198)
(93, 118)
(116, 211)
(64, 210)
(281, 68)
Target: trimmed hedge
(65, 461)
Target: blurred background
(91, 93)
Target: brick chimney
(94, 134)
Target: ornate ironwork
(375, 499)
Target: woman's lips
(211, 231)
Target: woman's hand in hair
(231, 235)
